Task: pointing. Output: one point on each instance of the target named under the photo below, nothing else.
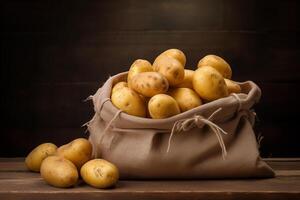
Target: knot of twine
(199, 121)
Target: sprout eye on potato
(218, 63)
(35, 158)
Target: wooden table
(17, 183)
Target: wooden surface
(56, 53)
(17, 183)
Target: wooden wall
(56, 53)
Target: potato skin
(188, 79)
(186, 98)
(163, 106)
(170, 68)
(149, 83)
(100, 173)
(137, 67)
(35, 158)
(232, 86)
(218, 63)
(78, 151)
(129, 101)
(59, 172)
(209, 83)
(119, 85)
(177, 54)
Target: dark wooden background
(54, 53)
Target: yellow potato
(149, 83)
(34, 159)
(186, 98)
(118, 86)
(170, 68)
(218, 63)
(232, 86)
(188, 79)
(163, 106)
(59, 172)
(137, 67)
(78, 151)
(129, 101)
(99, 173)
(209, 83)
(177, 54)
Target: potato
(186, 98)
(177, 54)
(149, 83)
(59, 172)
(129, 101)
(100, 173)
(163, 106)
(34, 159)
(209, 83)
(218, 63)
(137, 67)
(118, 86)
(232, 86)
(188, 79)
(170, 68)
(78, 151)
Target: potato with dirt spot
(149, 84)
(188, 79)
(186, 98)
(59, 172)
(78, 151)
(163, 106)
(137, 67)
(170, 68)
(209, 83)
(100, 173)
(218, 63)
(232, 86)
(119, 85)
(35, 158)
(129, 101)
(175, 53)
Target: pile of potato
(166, 88)
(60, 167)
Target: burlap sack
(215, 140)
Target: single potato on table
(218, 63)
(170, 68)
(209, 83)
(163, 106)
(149, 84)
(186, 98)
(99, 173)
(35, 158)
(232, 86)
(137, 67)
(129, 101)
(175, 53)
(119, 85)
(59, 172)
(78, 151)
(188, 79)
